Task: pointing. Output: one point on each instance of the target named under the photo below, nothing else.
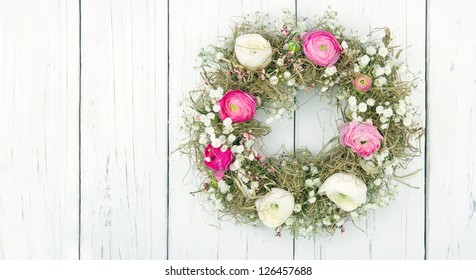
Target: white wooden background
(89, 93)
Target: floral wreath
(262, 66)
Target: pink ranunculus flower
(362, 83)
(321, 47)
(238, 106)
(362, 138)
(217, 160)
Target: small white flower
(326, 221)
(216, 108)
(383, 52)
(362, 107)
(237, 149)
(364, 60)
(305, 168)
(199, 61)
(251, 157)
(216, 143)
(370, 102)
(344, 45)
(211, 49)
(383, 119)
(388, 70)
(210, 130)
(407, 121)
(218, 56)
(401, 110)
(312, 200)
(280, 62)
(216, 93)
(378, 71)
(274, 80)
(388, 170)
(336, 217)
(359, 119)
(312, 193)
(229, 197)
(210, 116)
(324, 89)
(308, 183)
(227, 122)
(291, 82)
(203, 118)
(370, 50)
(224, 148)
(224, 187)
(330, 70)
(203, 139)
(379, 110)
(254, 185)
(314, 171)
(287, 74)
(235, 165)
(352, 101)
(356, 68)
(297, 208)
(388, 112)
(207, 159)
(364, 39)
(380, 81)
(228, 129)
(231, 138)
(384, 126)
(378, 182)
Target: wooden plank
(396, 231)
(124, 129)
(194, 233)
(451, 222)
(39, 93)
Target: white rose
(253, 51)
(275, 207)
(347, 191)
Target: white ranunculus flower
(347, 191)
(275, 207)
(253, 51)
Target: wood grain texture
(396, 231)
(39, 92)
(194, 233)
(451, 164)
(124, 129)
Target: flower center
(342, 196)
(274, 206)
(233, 107)
(363, 142)
(362, 82)
(323, 47)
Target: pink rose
(321, 47)
(238, 106)
(217, 160)
(362, 138)
(362, 83)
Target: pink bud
(362, 83)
